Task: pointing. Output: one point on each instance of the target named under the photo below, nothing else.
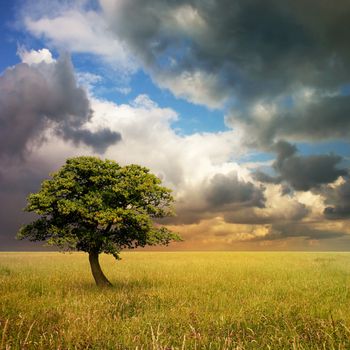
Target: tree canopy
(98, 206)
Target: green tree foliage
(98, 206)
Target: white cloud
(198, 87)
(148, 139)
(185, 163)
(79, 30)
(188, 19)
(82, 31)
(88, 80)
(35, 57)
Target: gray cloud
(324, 118)
(221, 194)
(228, 189)
(34, 98)
(266, 178)
(248, 43)
(294, 230)
(17, 180)
(306, 172)
(321, 118)
(252, 52)
(244, 53)
(302, 172)
(99, 140)
(338, 200)
(250, 216)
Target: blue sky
(244, 115)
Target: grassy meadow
(176, 300)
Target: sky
(241, 107)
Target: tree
(98, 206)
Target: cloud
(100, 140)
(266, 178)
(216, 234)
(292, 230)
(72, 26)
(45, 95)
(34, 57)
(217, 193)
(218, 203)
(252, 55)
(315, 118)
(150, 140)
(302, 172)
(278, 208)
(228, 189)
(306, 172)
(224, 54)
(338, 201)
(196, 86)
(323, 118)
(184, 162)
(278, 71)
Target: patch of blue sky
(341, 148)
(197, 119)
(257, 157)
(92, 5)
(8, 56)
(259, 161)
(8, 37)
(287, 102)
(192, 118)
(345, 90)
(13, 37)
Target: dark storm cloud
(338, 201)
(250, 216)
(285, 189)
(294, 230)
(252, 43)
(322, 118)
(256, 52)
(228, 189)
(262, 177)
(34, 98)
(302, 172)
(223, 193)
(283, 150)
(99, 140)
(17, 180)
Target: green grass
(190, 300)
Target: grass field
(190, 300)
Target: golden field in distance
(176, 300)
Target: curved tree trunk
(100, 278)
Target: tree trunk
(100, 279)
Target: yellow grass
(173, 300)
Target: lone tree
(98, 206)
